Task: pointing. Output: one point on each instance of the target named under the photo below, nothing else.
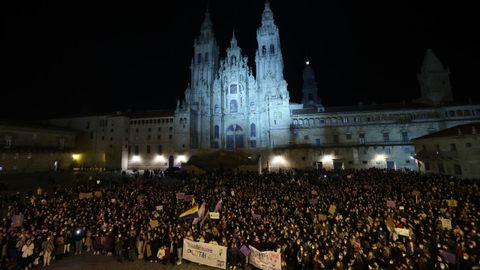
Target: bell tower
(434, 80)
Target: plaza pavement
(101, 262)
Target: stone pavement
(101, 262)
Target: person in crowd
(350, 219)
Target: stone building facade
(227, 106)
(452, 151)
(26, 148)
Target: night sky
(70, 57)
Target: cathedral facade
(229, 107)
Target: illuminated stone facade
(228, 107)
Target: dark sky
(68, 57)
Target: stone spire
(431, 63)
(233, 42)
(268, 57)
(309, 89)
(207, 22)
(234, 53)
(434, 79)
(267, 15)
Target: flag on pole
(218, 207)
(201, 214)
(207, 215)
(190, 213)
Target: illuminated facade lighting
(136, 158)
(279, 160)
(181, 159)
(327, 158)
(159, 158)
(76, 157)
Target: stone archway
(234, 137)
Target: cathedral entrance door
(234, 137)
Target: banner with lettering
(85, 195)
(206, 254)
(265, 260)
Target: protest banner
(265, 260)
(154, 223)
(391, 203)
(416, 193)
(446, 223)
(402, 231)
(204, 253)
(452, 203)
(159, 207)
(322, 217)
(17, 220)
(332, 209)
(313, 201)
(244, 250)
(214, 215)
(180, 196)
(187, 197)
(257, 216)
(98, 194)
(85, 195)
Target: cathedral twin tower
(227, 106)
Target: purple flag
(449, 257)
(218, 207)
(391, 203)
(180, 196)
(274, 202)
(257, 216)
(313, 201)
(17, 220)
(245, 250)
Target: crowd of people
(288, 212)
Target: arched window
(233, 106)
(216, 132)
(206, 57)
(199, 58)
(233, 89)
(253, 130)
(217, 109)
(272, 49)
(264, 50)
